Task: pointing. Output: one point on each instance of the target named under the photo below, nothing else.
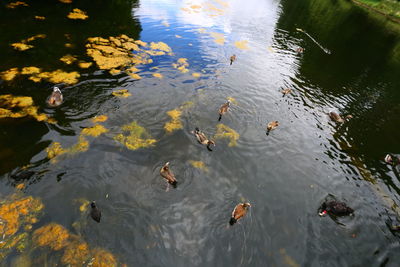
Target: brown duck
(56, 98)
(337, 118)
(271, 126)
(224, 109)
(286, 91)
(238, 212)
(202, 138)
(168, 175)
(233, 58)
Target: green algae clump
(224, 131)
(53, 235)
(137, 137)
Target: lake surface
(350, 64)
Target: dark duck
(239, 212)
(95, 213)
(232, 58)
(335, 208)
(56, 98)
(202, 138)
(168, 175)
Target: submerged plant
(175, 123)
(199, 165)
(136, 138)
(94, 131)
(53, 235)
(124, 93)
(224, 131)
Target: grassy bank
(388, 8)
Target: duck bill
(323, 213)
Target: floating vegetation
(68, 59)
(37, 36)
(175, 123)
(66, 1)
(10, 74)
(103, 258)
(94, 131)
(124, 93)
(16, 4)
(158, 75)
(242, 44)
(76, 253)
(199, 165)
(211, 8)
(19, 107)
(116, 54)
(101, 118)
(30, 70)
(224, 131)
(53, 235)
(55, 149)
(84, 65)
(196, 74)
(68, 45)
(40, 17)
(21, 46)
(57, 76)
(181, 65)
(137, 137)
(76, 13)
(218, 37)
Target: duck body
(232, 58)
(224, 109)
(286, 91)
(202, 138)
(335, 208)
(56, 98)
(271, 126)
(335, 117)
(239, 212)
(95, 213)
(168, 175)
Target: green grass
(388, 7)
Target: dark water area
(350, 64)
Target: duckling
(223, 109)
(393, 160)
(56, 98)
(95, 213)
(286, 91)
(202, 138)
(337, 118)
(335, 208)
(233, 58)
(238, 212)
(271, 126)
(300, 50)
(168, 175)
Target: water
(285, 176)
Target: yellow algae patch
(114, 71)
(20, 186)
(178, 36)
(135, 76)
(40, 17)
(101, 118)
(218, 37)
(21, 46)
(224, 131)
(84, 65)
(68, 45)
(16, 4)
(81, 146)
(19, 107)
(66, 1)
(242, 44)
(160, 46)
(137, 137)
(158, 75)
(94, 131)
(57, 76)
(55, 149)
(181, 65)
(68, 59)
(175, 122)
(76, 13)
(84, 204)
(196, 74)
(199, 165)
(32, 38)
(75, 254)
(121, 93)
(103, 258)
(30, 70)
(195, 6)
(10, 74)
(53, 235)
(16, 212)
(233, 100)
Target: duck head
(93, 204)
(209, 143)
(166, 166)
(322, 210)
(246, 205)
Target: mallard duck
(286, 91)
(95, 213)
(202, 138)
(271, 126)
(300, 50)
(224, 109)
(337, 118)
(393, 160)
(56, 98)
(335, 208)
(233, 58)
(238, 212)
(168, 175)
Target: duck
(233, 58)
(239, 212)
(168, 175)
(22, 175)
(56, 98)
(337, 118)
(300, 50)
(271, 126)
(286, 91)
(335, 208)
(95, 213)
(224, 109)
(202, 138)
(392, 160)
